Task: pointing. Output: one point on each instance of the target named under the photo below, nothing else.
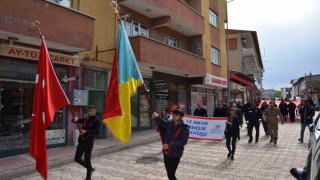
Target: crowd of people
(267, 114)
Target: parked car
(312, 169)
(314, 131)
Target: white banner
(201, 128)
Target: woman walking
(232, 131)
(284, 110)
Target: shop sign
(55, 136)
(161, 89)
(237, 87)
(216, 81)
(32, 54)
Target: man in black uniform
(220, 111)
(89, 129)
(254, 116)
(245, 109)
(200, 111)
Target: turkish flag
(48, 98)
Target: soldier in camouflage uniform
(271, 116)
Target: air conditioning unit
(79, 97)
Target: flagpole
(36, 24)
(151, 108)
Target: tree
(277, 94)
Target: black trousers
(171, 164)
(85, 147)
(233, 136)
(250, 128)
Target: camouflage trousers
(273, 130)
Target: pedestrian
(175, 139)
(311, 101)
(306, 113)
(165, 115)
(271, 116)
(284, 110)
(89, 129)
(245, 109)
(239, 115)
(200, 111)
(292, 110)
(254, 116)
(220, 111)
(232, 131)
(224, 104)
(239, 105)
(274, 100)
(264, 106)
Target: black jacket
(305, 112)
(92, 126)
(177, 147)
(292, 107)
(200, 112)
(233, 130)
(283, 109)
(220, 112)
(246, 107)
(253, 115)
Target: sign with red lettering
(216, 81)
(32, 54)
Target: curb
(6, 175)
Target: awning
(241, 79)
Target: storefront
(208, 94)
(18, 66)
(242, 87)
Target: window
(135, 28)
(66, 3)
(171, 41)
(215, 56)
(213, 17)
(95, 79)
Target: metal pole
(228, 60)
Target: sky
(289, 33)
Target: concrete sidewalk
(15, 166)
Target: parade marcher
(292, 110)
(306, 113)
(224, 104)
(253, 116)
(220, 111)
(239, 105)
(271, 116)
(264, 106)
(175, 139)
(89, 129)
(245, 109)
(200, 111)
(165, 115)
(232, 131)
(238, 114)
(274, 100)
(284, 111)
(311, 101)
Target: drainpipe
(79, 5)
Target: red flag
(48, 98)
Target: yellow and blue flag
(124, 81)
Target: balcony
(175, 14)
(152, 54)
(64, 29)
